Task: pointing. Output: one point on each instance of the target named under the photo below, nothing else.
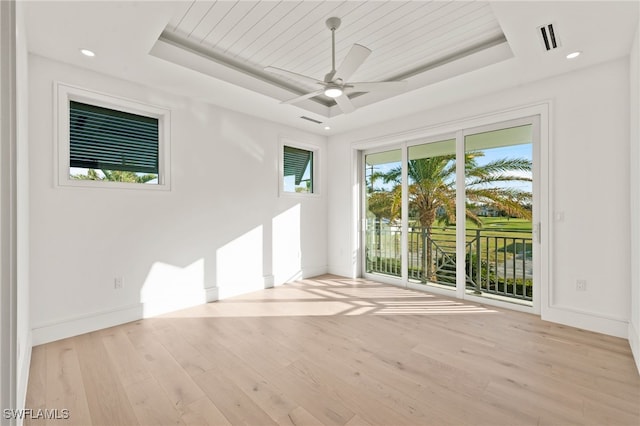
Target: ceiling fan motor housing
(333, 23)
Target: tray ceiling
(410, 40)
(214, 52)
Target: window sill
(69, 183)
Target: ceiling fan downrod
(333, 24)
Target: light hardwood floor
(337, 351)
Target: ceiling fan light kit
(333, 91)
(335, 84)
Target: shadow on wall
(261, 257)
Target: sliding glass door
(431, 232)
(499, 203)
(383, 212)
(454, 212)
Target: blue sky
(493, 154)
(514, 151)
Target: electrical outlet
(118, 283)
(581, 285)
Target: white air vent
(549, 37)
(304, 117)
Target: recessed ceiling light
(327, 128)
(573, 55)
(87, 52)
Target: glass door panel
(431, 232)
(383, 213)
(499, 206)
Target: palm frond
(432, 180)
(473, 218)
(500, 166)
(497, 179)
(510, 200)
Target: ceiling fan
(335, 83)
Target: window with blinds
(298, 170)
(107, 144)
(108, 141)
(103, 138)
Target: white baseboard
(591, 321)
(269, 281)
(347, 271)
(306, 272)
(287, 278)
(23, 378)
(634, 342)
(211, 294)
(314, 271)
(233, 289)
(70, 327)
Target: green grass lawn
(509, 228)
(502, 223)
(501, 240)
(508, 232)
(492, 226)
(498, 223)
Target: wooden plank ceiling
(406, 37)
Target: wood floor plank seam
(331, 350)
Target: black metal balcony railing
(496, 261)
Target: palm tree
(432, 196)
(115, 176)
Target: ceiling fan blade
(352, 61)
(303, 97)
(344, 103)
(293, 75)
(378, 86)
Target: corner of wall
(342, 270)
(590, 321)
(23, 301)
(211, 294)
(69, 327)
(634, 342)
(23, 373)
(314, 271)
(634, 151)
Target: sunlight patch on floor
(333, 297)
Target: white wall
(22, 199)
(212, 234)
(634, 324)
(589, 171)
(16, 337)
(8, 144)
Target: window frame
(315, 184)
(65, 93)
